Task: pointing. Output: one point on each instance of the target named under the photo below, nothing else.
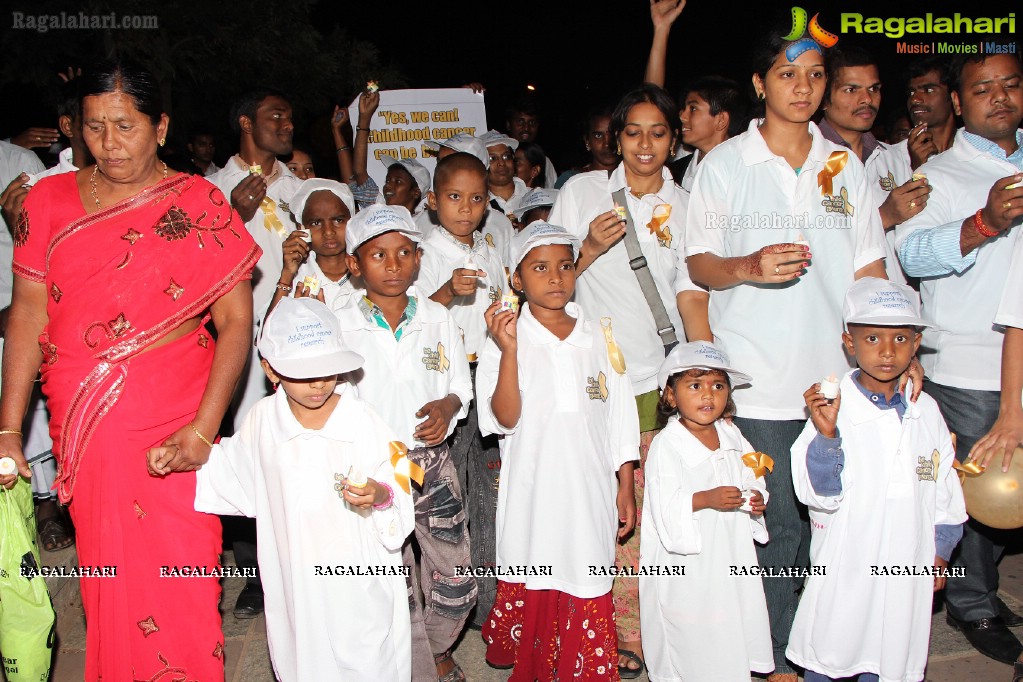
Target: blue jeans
(971, 414)
(787, 523)
(811, 676)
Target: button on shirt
(744, 198)
(960, 294)
(608, 287)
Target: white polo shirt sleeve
(565, 211)
(708, 213)
(226, 484)
(870, 241)
(432, 270)
(461, 378)
(622, 415)
(669, 495)
(1010, 310)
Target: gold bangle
(16, 432)
(200, 436)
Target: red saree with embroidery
(118, 281)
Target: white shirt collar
(617, 180)
(340, 425)
(755, 149)
(580, 336)
(861, 410)
(728, 441)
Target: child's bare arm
(722, 498)
(626, 500)
(506, 402)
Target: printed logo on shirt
(284, 206)
(887, 183)
(436, 359)
(495, 294)
(489, 239)
(927, 467)
(838, 203)
(596, 389)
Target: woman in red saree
(118, 267)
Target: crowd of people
(660, 412)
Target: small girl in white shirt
(549, 382)
(329, 489)
(702, 611)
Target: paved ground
(951, 660)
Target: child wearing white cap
(535, 205)
(314, 254)
(330, 490)
(886, 507)
(406, 184)
(555, 387)
(702, 608)
(417, 376)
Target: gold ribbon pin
(968, 468)
(404, 468)
(849, 208)
(836, 162)
(759, 462)
(270, 220)
(614, 353)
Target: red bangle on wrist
(984, 230)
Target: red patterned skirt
(565, 637)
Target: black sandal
(627, 673)
(54, 532)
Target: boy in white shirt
(886, 507)
(467, 275)
(325, 479)
(417, 376)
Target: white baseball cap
(541, 234)
(882, 303)
(306, 189)
(463, 142)
(698, 355)
(301, 339)
(377, 219)
(537, 197)
(418, 171)
(494, 137)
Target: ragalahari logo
(801, 43)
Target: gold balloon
(995, 498)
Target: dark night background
(577, 55)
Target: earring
(587, 147)
(619, 149)
(163, 141)
(760, 96)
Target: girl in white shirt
(550, 382)
(702, 606)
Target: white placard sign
(406, 119)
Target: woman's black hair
(128, 78)
(650, 94)
(536, 157)
(668, 411)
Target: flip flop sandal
(627, 673)
(455, 674)
(54, 534)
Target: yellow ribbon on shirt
(969, 468)
(270, 220)
(759, 462)
(614, 353)
(836, 162)
(847, 207)
(404, 468)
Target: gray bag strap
(637, 261)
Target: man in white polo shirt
(960, 246)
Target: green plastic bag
(26, 613)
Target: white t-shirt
(337, 294)
(1010, 310)
(608, 287)
(442, 253)
(556, 505)
(267, 272)
(786, 336)
(14, 160)
(496, 229)
(965, 349)
(882, 178)
(284, 475)
(399, 376)
(897, 161)
(509, 205)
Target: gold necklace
(92, 182)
